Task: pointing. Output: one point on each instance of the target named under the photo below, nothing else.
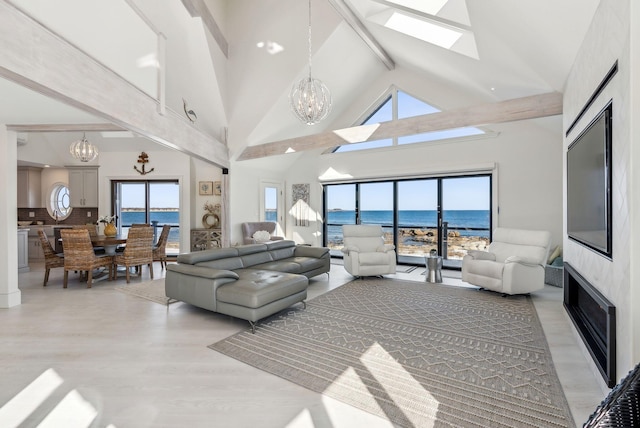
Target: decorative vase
(110, 229)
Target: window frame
(391, 95)
(404, 259)
(53, 199)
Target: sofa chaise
(249, 282)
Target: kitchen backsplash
(78, 216)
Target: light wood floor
(140, 365)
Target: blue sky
(465, 193)
(163, 195)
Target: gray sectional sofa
(249, 282)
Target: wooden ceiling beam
(531, 107)
(199, 9)
(346, 12)
(71, 127)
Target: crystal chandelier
(83, 150)
(310, 99)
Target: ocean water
(163, 217)
(466, 222)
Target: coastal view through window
(451, 215)
(152, 202)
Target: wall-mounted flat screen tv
(589, 185)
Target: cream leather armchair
(365, 253)
(513, 263)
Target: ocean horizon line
(134, 210)
(433, 210)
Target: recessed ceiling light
(433, 33)
(271, 47)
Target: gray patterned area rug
(415, 353)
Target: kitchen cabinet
(29, 188)
(83, 186)
(35, 249)
(23, 251)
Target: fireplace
(595, 319)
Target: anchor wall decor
(143, 159)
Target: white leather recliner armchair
(365, 253)
(513, 263)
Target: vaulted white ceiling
(523, 48)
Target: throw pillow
(557, 262)
(557, 252)
(262, 236)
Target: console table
(203, 239)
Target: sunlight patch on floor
(73, 411)
(396, 381)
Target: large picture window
(155, 202)
(451, 215)
(400, 105)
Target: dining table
(109, 243)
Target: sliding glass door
(376, 207)
(466, 215)
(148, 202)
(339, 209)
(417, 219)
(447, 214)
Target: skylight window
(443, 23)
(436, 34)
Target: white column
(9, 292)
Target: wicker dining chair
(93, 232)
(51, 258)
(79, 255)
(138, 250)
(160, 249)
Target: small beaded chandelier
(83, 150)
(310, 99)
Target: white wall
(594, 59)
(201, 171)
(527, 160)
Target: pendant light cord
(309, 39)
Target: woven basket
(621, 408)
(553, 275)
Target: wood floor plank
(140, 365)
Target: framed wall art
(205, 187)
(300, 197)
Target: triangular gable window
(400, 105)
